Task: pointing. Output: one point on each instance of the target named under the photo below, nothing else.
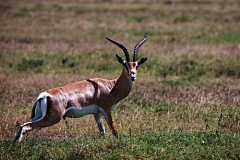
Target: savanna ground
(184, 104)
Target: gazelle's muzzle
(133, 76)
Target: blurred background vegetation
(184, 104)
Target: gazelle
(92, 96)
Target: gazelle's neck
(122, 86)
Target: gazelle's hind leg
(23, 131)
(27, 127)
(17, 135)
(44, 115)
(49, 120)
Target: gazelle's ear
(120, 59)
(142, 60)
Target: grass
(160, 145)
(184, 104)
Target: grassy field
(185, 103)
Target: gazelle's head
(131, 67)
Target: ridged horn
(138, 45)
(122, 47)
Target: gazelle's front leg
(98, 118)
(109, 121)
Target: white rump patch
(40, 107)
(43, 94)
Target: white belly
(74, 112)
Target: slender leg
(29, 126)
(17, 135)
(22, 132)
(98, 118)
(110, 123)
